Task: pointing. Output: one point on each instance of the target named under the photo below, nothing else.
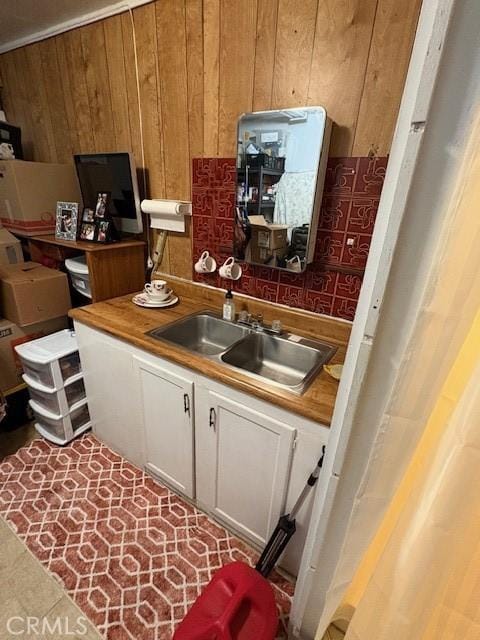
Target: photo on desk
(101, 208)
(87, 231)
(88, 215)
(103, 230)
(66, 221)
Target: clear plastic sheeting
(425, 584)
(418, 505)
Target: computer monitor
(114, 173)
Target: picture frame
(102, 205)
(88, 231)
(103, 230)
(88, 215)
(66, 220)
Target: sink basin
(284, 360)
(281, 360)
(203, 333)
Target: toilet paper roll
(166, 207)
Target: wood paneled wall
(176, 74)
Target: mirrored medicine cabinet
(281, 163)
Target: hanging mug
(230, 269)
(205, 264)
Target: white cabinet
(243, 464)
(166, 402)
(112, 399)
(244, 460)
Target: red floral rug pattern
(132, 554)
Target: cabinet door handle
(186, 403)
(213, 418)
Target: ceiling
(23, 21)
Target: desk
(114, 269)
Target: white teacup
(205, 264)
(157, 290)
(230, 269)
(294, 264)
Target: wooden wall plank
(112, 28)
(194, 34)
(56, 102)
(266, 38)
(152, 123)
(7, 82)
(211, 77)
(10, 94)
(77, 80)
(342, 41)
(172, 68)
(392, 41)
(96, 71)
(237, 62)
(42, 130)
(172, 65)
(293, 52)
(23, 102)
(67, 91)
(132, 98)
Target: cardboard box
(260, 255)
(31, 293)
(11, 335)
(10, 248)
(29, 192)
(268, 236)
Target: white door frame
(415, 105)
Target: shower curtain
(419, 578)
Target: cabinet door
(113, 403)
(243, 464)
(167, 408)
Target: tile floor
(131, 554)
(28, 590)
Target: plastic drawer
(61, 429)
(53, 375)
(57, 402)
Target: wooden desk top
(84, 245)
(119, 317)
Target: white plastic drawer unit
(58, 402)
(52, 361)
(78, 270)
(61, 429)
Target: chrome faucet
(255, 322)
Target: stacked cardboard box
(29, 192)
(268, 240)
(10, 248)
(34, 301)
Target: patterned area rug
(131, 553)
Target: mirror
(281, 163)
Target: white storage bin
(61, 429)
(59, 401)
(51, 361)
(78, 270)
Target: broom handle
(312, 479)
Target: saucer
(142, 300)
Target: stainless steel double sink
(285, 360)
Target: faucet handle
(277, 326)
(244, 316)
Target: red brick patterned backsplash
(331, 284)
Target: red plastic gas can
(237, 604)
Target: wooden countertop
(119, 317)
(85, 245)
